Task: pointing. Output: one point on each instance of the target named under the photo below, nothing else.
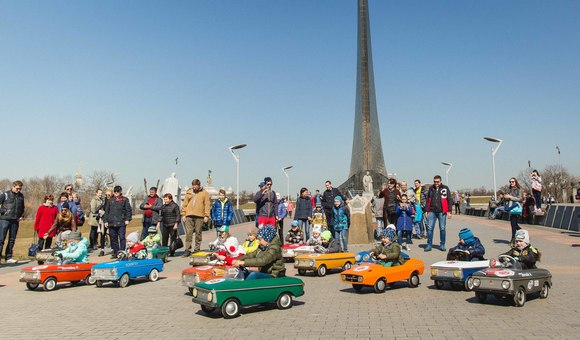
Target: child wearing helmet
(388, 252)
(315, 239)
(251, 244)
(523, 252)
(223, 236)
(295, 235)
(469, 248)
(268, 258)
(328, 243)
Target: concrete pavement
(329, 308)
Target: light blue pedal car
(121, 271)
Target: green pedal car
(232, 292)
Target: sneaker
(11, 261)
(102, 253)
(427, 248)
(186, 253)
(442, 247)
(408, 248)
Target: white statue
(171, 186)
(368, 183)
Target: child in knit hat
(251, 244)
(388, 252)
(268, 257)
(315, 239)
(469, 248)
(153, 239)
(319, 217)
(77, 248)
(523, 252)
(341, 215)
(295, 235)
(328, 245)
(134, 248)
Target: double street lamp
(288, 179)
(447, 172)
(237, 159)
(493, 152)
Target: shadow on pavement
(248, 309)
(495, 240)
(576, 245)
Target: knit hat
(65, 205)
(316, 229)
(223, 228)
(65, 235)
(294, 223)
(74, 235)
(233, 247)
(338, 198)
(267, 233)
(327, 235)
(318, 205)
(466, 235)
(133, 237)
(391, 232)
(523, 235)
(152, 230)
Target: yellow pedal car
(321, 263)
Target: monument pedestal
(361, 220)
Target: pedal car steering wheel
(507, 260)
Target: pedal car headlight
(194, 292)
(366, 257)
(360, 279)
(457, 273)
(357, 258)
(342, 276)
(434, 271)
(312, 263)
(210, 296)
(476, 282)
(505, 284)
(114, 271)
(23, 274)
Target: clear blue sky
(127, 86)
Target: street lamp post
(288, 179)
(447, 172)
(493, 152)
(237, 159)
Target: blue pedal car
(121, 271)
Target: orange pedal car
(377, 276)
(50, 274)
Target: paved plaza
(329, 308)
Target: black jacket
(328, 198)
(169, 214)
(117, 211)
(11, 205)
(303, 208)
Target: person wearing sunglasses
(514, 197)
(439, 204)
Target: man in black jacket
(117, 216)
(327, 200)
(11, 212)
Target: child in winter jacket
(469, 248)
(388, 252)
(295, 235)
(232, 251)
(523, 252)
(341, 222)
(223, 236)
(329, 244)
(251, 243)
(134, 248)
(152, 239)
(319, 217)
(315, 239)
(77, 247)
(404, 212)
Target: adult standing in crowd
(514, 196)
(195, 212)
(456, 203)
(392, 196)
(150, 207)
(377, 206)
(420, 206)
(11, 213)
(282, 212)
(45, 217)
(439, 205)
(117, 216)
(303, 212)
(327, 200)
(168, 220)
(101, 230)
(267, 204)
(94, 217)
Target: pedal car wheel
(31, 285)
(206, 309)
(124, 280)
(301, 271)
(481, 296)
(321, 270)
(357, 287)
(414, 280)
(154, 275)
(347, 266)
(49, 284)
(89, 280)
(439, 284)
(284, 301)
(231, 309)
(99, 283)
(469, 284)
(520, 297)
(380, 285)
(545, 291)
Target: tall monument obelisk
(367, 150)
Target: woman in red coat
(45, 216)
